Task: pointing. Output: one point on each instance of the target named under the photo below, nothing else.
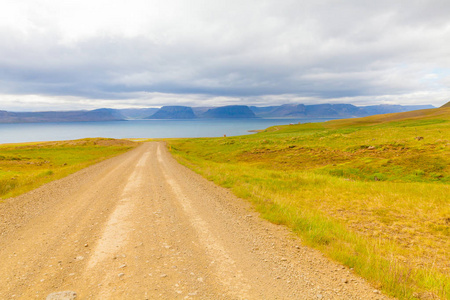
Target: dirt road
(141, 226)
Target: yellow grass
(24, 167)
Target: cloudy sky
(80, 54)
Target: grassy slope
(24, 167)
(372, 193)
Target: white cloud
(117, 53)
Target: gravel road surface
(141, 226)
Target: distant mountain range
(330, 110)
(97, 115)
(232, 111)
(282, 111)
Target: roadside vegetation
(24, 167)
(372, 193)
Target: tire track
(228, 273)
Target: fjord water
(35, 132)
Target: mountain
(231, 111)
(330, 110)
(446, 105)
(173, 112)
(283, 111)
(137, 113)
(97, 115)
(388, 108)
(302, 111)
(261, 111)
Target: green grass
(372, 193)
(24, 167)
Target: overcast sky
(79, 54)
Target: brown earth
(141, 226)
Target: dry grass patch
(24, 167)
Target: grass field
(372, 193)
(24, 167)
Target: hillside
(446, 105)
(173, 112)
(232, 111)
(372, 192)
(423, 114)
(61, 116)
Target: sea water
(35, 132)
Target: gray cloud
(205, 51)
